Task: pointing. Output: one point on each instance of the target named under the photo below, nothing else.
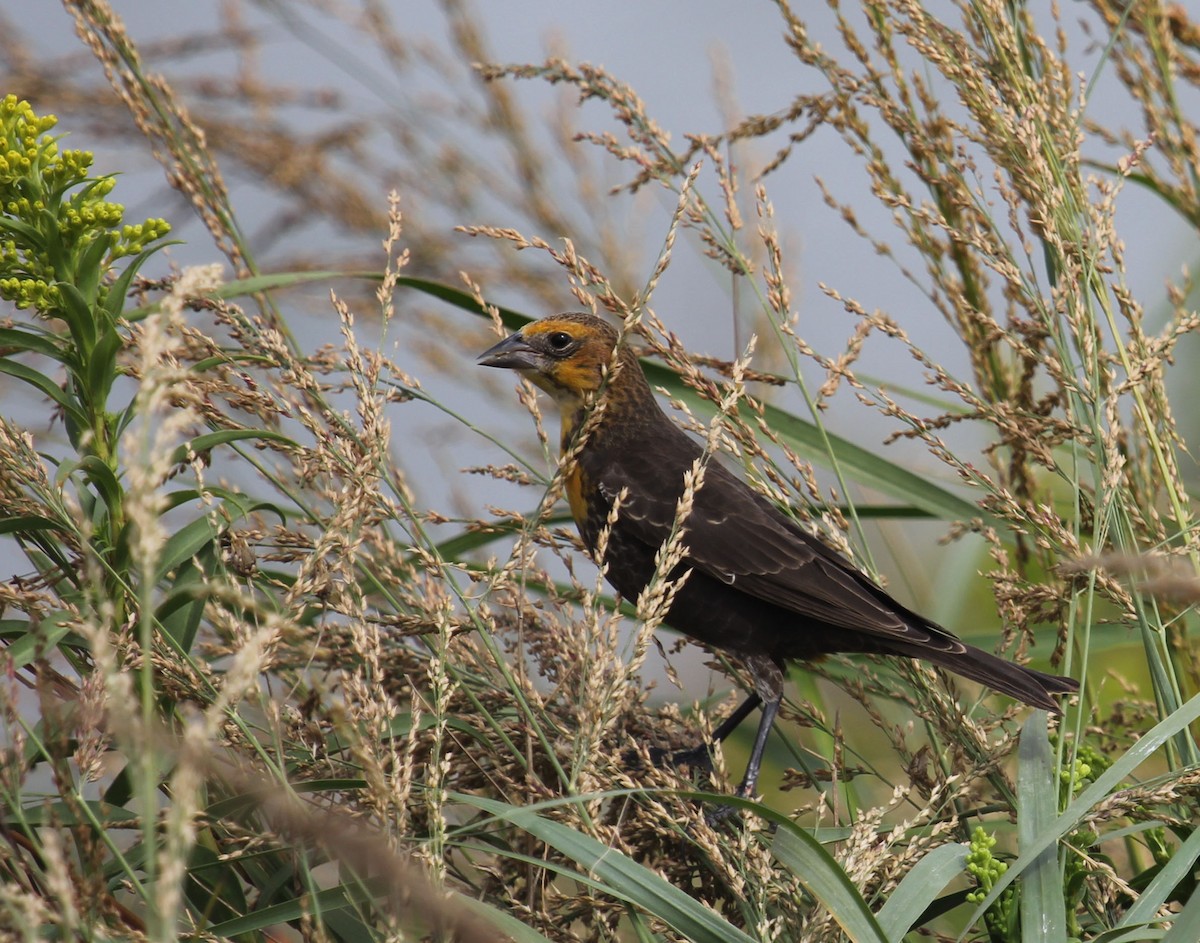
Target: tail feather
(1036, 688)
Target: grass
(256, 688)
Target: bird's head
(567, 355)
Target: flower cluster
(1089, 763)
(1002, 917)
(56, 225)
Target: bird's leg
(702, 753)
(734, 720)
(770, 709)
(768, 689)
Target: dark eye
(559, 341)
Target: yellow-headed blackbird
(759, 587)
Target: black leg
(702, 755)
(767, 673)
(750, 780)
(734, 720)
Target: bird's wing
(737, 536)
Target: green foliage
(61, 242)
(1003, 916)
(58, 227)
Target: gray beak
(513, 352)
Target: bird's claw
(698, 757)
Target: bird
(758, 585)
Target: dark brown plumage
(760, 587)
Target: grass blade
(919, 888)
(1043, 911)
(1109, 780)
(827, 881)
(627, 879)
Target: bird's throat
(571, 413)
(575, 485)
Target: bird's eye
(559, 341)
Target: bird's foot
(721, 813)
(696, 758)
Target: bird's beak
(513, 352)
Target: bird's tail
(1036, 688)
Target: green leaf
(68, 814)
(828, 882)
(255, 284)
(40, 641)
(212, 885)
(80, 318)
(101, 367)
(1186, 928)
(103, 479)
(623, 877)
(331, 899)
(45, 385)
(210, 440)
(1043, 910)
(1108, 781)
(235, 805)
(920, 887)
(825, 448)
(185, 543)
(1142, 933)
(456, 547)
(27, 524)
(325, 904)
(249, 286)
(31, 341)
(90, 266)
(1161, 889)
(506, 923)
(190, 539)
(24, 233)
(245, 502)
(513, 320)
(182, 611)
(119, 290)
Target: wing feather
(735, 535)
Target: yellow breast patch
(576, 486)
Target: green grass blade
(919, 889)
(1158, 890)
(46, 386)
(210, 440)
(1043, 910)
(628, 880)
(506, 923)
(193, 536)
(40, 639)
(864, 466)
(240, 287)
(1186, 928)
(28, 340)
(330, 899)
(1142, 933)
(827, 881)
(1108, 781)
